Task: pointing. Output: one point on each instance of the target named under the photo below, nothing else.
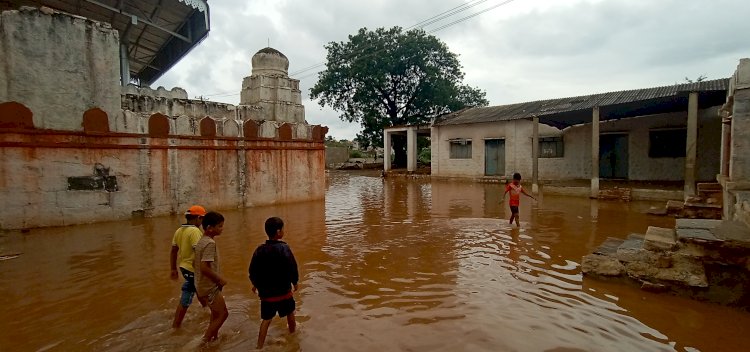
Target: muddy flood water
(385, 265)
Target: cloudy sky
(520, 51)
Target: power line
(447, 14)
(470, 16)
(425, 22)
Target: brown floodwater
(385, 265)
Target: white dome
(270, 61)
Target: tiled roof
(549, 107)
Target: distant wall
(336, 155)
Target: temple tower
(270, 88)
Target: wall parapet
(147, 122)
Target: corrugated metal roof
(551, 107)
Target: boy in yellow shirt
(183, 244)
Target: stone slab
(595, 264)
(696, 235)
(636, 236)
(632, 249)
(696, 224)
(609, 246)
(657, 211)
(659, 239)
(733, 231)
(684, 271)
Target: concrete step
(697, 224)
(624, 194)
(659, 239)
(631, 249)
(701, 211)
(674, 207)
(697, 230)
(609, 247)
(708, 186)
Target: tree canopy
(389, 77)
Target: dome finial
(270, 61)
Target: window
(667, 143)
(551, 147)
(460, 148)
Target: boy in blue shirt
(273, 272)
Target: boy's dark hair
(212, 218)
(273, 225)
(517, 176)
(190, 217)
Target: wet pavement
(386, 264)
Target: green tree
(389, 77)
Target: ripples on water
(387, 265)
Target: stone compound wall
(576, 161)
(58, 65)
(736, 112)
(336, 155)
(75, 147)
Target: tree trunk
(399, 149)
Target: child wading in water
(208, 281)
(183, 243)
(515, 189)
(273, 272)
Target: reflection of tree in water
(392, 259)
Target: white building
(670, 133)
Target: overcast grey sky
(521, 51)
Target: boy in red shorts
(515, 189)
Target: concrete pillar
(124, 65)
(739, 159)
(386, 150)
(690, 144)
(411, 149)
(535, 157)
(726, 144)
(595, 152)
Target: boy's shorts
(268, 309)
(514, 209)
(188, 288)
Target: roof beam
(146, 21)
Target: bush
(425, 156)
(355, 154)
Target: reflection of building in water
(396, 257)
(78, 147)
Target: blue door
(494, 157)
(613, 156)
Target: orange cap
(196, 210)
